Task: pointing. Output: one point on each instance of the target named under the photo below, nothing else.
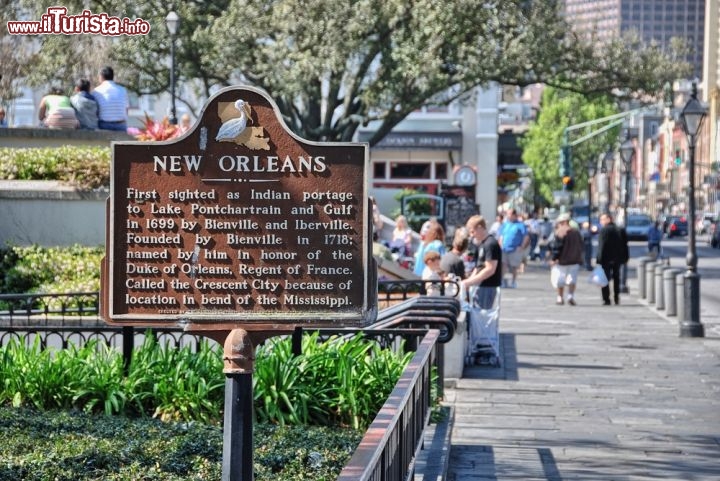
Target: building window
(402, 170)
(379, 170)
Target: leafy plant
(82, 167)
(338, 381)
(416, 210)
(176, 384)
(36, 269)
(155, 131)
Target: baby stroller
(483, 336)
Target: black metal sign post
(239, 357)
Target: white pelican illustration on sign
(234, 128)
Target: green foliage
(72, 446)
(416, 210)
(334, 66)
(541, 144)
(176, 384)
(334, 382)
(50, 269)
(337, 381)
(82, 167)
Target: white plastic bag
(555, 276)
(598, 277)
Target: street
(708, 267)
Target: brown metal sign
(239, 222)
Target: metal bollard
(642, 262)
(650, 281)
(659, 297)
(670, 291)
(680, 296)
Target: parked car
(637, 226)
(677, 226)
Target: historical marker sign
(239, 222)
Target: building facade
(654, 21)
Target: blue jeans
(484, 297)
(119, 126)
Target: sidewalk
(588, 392)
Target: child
(432, 272)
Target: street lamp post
(692, 117)
(592, 169)
(627, 153)
(605, 166)
(172, 21)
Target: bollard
(659, 297)
(650, 281)
(641, 275)
(680, 296)
(670, 291)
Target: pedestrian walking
(612, 254)
(654, 236)
(567, 255)
(546, 232)
(587, 245)
(514, 240)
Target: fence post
(128, 334)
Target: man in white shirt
(112, 102)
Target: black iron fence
(388, 451)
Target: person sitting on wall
(56, 111)
(112, 102)
(85, 105)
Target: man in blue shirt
(514, 240)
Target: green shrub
(83, 167)
(50, 269)
(72, 446)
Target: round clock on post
(465, 176)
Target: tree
(334, 66)
(57, 60)
(541, 144)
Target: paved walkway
(588, 392)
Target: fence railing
(390, 446)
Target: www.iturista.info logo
(57, 21)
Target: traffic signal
(568, 183)
(565, 160)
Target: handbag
(598, 277)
